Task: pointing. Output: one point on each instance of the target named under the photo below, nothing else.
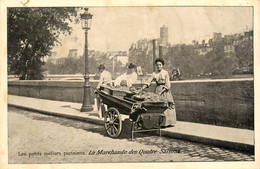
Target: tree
(32, 33)
(70, 65)
(142, 56)
(245, 53)
(92, 63)
(219, 63)
(186, 59)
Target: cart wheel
(113, 122)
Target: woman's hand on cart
(165, 89)
(141, 90)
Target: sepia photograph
(130, 84)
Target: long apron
(169, 113)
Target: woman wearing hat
(128, 78)
(163, 86)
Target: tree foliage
(70, 65)
(184, 58)
(143, 58)
(217, 57)
(219, 64)
(244, 53)
(32, 33)
(191, 64)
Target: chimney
(160, 51)
(154, 53)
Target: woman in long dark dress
(163, 86)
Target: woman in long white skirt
(163, 86)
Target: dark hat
(101, 66)
(131, 66)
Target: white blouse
(129, 78)
(161, 78)
(105, 78)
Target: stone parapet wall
(217, 102)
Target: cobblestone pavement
(37, 138)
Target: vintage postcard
(129, 84)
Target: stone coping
(78, 83)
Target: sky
(116, 28)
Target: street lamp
(86, 24)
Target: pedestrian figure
(175, 75)
(163, 86)
(128, 78)
(105, 79)
(105, 76)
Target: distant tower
(217, 36)
(163, 35)
(73, 53)
(73, 47)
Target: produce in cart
(149, 97)
(145, 109)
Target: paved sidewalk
(233, 138)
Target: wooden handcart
(144, 115)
